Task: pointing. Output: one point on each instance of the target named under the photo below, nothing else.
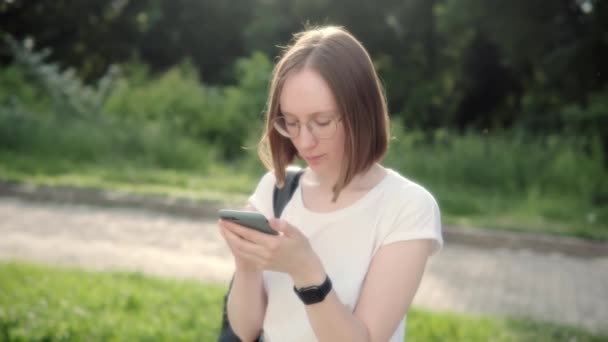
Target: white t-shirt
(396, 209)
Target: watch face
(314, 294)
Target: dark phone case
(250, 219)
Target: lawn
(44, 303)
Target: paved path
(549, 287)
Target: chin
(321, 168)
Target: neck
(326, 182)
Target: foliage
(590, 120)
(51, 112)
(466, 64)
(222, 117)
(505, 162)
(70, 97)
(555, 184)
(509, 178)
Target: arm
(247, 304)
(389, 288)
(391, 283)
(247, 299)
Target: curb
(540, 243)
(198, 208)
(180, 206)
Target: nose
(306, 139)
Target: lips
(313, 159)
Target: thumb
(282, 227)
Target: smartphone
(249, 219)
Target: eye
(291, 123)
(322, 122)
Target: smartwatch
(314, 294)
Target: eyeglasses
(321, 127)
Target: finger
(250, 258)
(223, 231)
(227, 234)
(283, 227)
(231, 237)
(231, 226)
(246, 246)
(240, 250)
(249, 234)
(229, 241)
(276, 224)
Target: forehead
(304, 93)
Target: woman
(355, 237)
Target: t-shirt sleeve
(416, 216)
(261, 198)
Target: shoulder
(409, 212)
(402, 192)
(269, 178)
(261, 198)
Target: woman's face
(307, 101)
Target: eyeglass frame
(334, 119)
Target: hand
(240, 263)
(289, 252)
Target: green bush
(503, 162)
(514, 181)
(223, 117)
(176, 98)
(17, 90)
(69, 96)
(82, 142)
(590, 119)
(51, 113)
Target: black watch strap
(314, 294)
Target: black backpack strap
(281, 196)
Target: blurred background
(500, 108)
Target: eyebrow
(311, 114)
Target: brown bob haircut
(345, 65)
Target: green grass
(430, 326)
(218, 183)
(51, 304)
(529, 212)
(44, 303)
